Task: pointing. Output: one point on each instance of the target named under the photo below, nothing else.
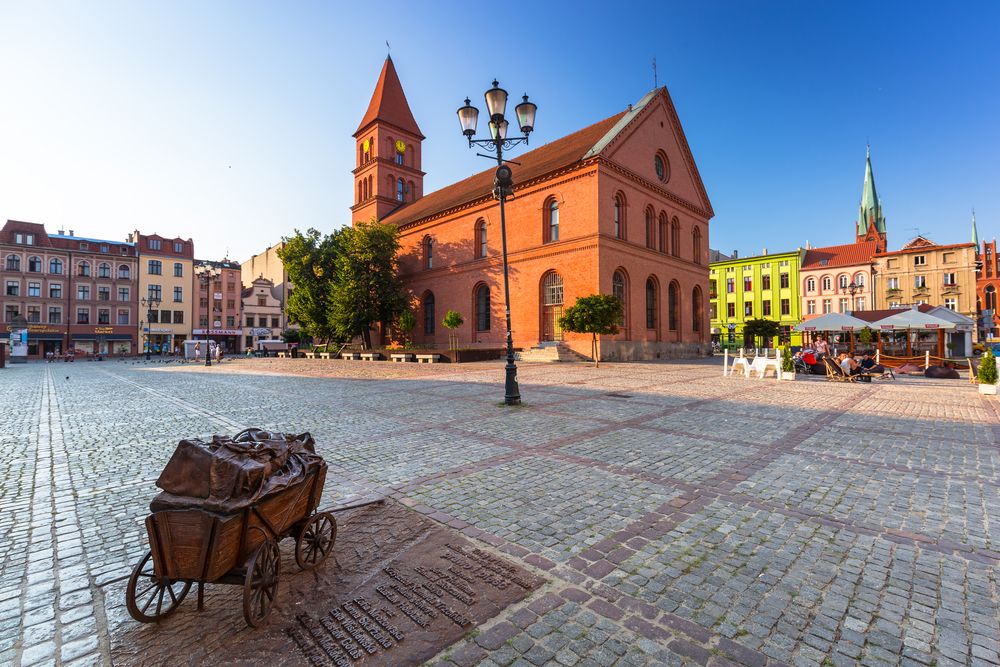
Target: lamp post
(205, 278)
(503, 186)
(851, 289)
(150, 304)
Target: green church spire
(870, 211)
(975, 234)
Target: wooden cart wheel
(315, 540)
(261, 584)
(150, 598)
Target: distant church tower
(871, 221)
(388, 173)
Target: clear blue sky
(231, 122)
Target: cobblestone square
(677, 516)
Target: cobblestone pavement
(679, 517)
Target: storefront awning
(90, 336)
(44, 336)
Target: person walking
(197, 352)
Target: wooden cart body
(202, 546)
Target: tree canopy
(365, 288)
(595, 314)
(754, 330)
(309, 261)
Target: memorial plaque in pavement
(398, 590)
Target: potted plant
(453, 320)
(787, 365)
(988, 374)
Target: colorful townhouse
(750, 288)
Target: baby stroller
(803, 362)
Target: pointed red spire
(389, 103)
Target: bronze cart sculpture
(224, 508)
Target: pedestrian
(197, 351)
(218, 354)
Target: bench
(401, 356)
(371, 356)
(428, 358)
(350, 356)
(324, 355)
(309, 355)
(282, 355)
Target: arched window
(618, 290)
(429, 321)
(811, 285)
(123, 272)
(991, 298)
(368, 190)
(361, 191)
(650, 303)
(400, 189)
(696, 245)
(842, 281)
(481, 239)
(827, 284)
(412, 190)
(859, 279)
(552, 306)
(482, 308)
(35, 264)
(673, 306)
(551, 215)
(55, 266)
(663, 232)
(13, 263)
(675, 237)
(428, 252)
(103, 270)
(619, 215)
(83, 268)
(650, 228)
(697, 309)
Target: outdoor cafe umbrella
(912, 319)
(832, 322)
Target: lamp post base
(512, 393)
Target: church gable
(919, 242)
(650, 143)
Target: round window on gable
(662, 166)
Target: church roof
(389, 104)
(849, 254)
(562, 152)
(870, 210)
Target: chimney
(61, 232)
(736, 254)
(71, 232)
(764, 252)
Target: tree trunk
(593, 347)
(366, 339)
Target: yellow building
(924, 272)
(166, 291)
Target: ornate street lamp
(503, 186)
(851, 289)
(205, 278)
(150, 304)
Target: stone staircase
(550, 352)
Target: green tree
(365, 288)
(405, 323)
(452, 320)
(594, 314)
(756, 330)
(291, 336)
(309, 261)
(787, 364)
(865, 336)
(988, 368)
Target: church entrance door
(552, 303)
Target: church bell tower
(387, 174)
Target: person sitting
(849, 365)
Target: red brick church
(615, 208)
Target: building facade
(74, 293)
(987, 286)
(838, 279)
(924, 272)
(165, 296)
(750, 288)
(269, 266)
(616, 208)
(220, 300)
(263, 318)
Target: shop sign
(260, 332)
(218, 332)
(104, 330)
(18, 345)
(37, 329)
